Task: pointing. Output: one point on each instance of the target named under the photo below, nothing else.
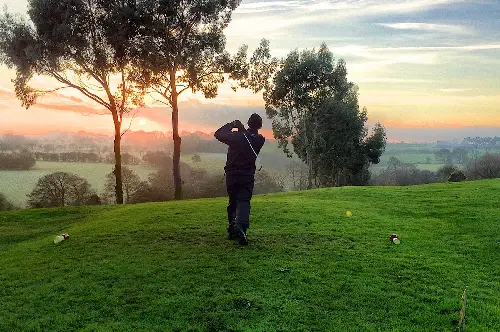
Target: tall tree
(84, 45)
(183, 48)
(313, 105)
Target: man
(244, 146)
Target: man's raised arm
(225, 133)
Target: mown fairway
(168, 266)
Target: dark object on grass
(94, 199)
(457, 177)
(394, 238)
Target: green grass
(15, 185)
(168, 266)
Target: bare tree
(60, 189)
(486, 167)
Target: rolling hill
(168, 266)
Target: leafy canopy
(182, 46)
(313, 106)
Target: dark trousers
(239, 189)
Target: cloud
(345, 7)
(76, 108)
(478, 47)
(391, 80)
(446, 28)
(454, 90)
(56, 101)
(369, 52)
(267, 6)
(272, 17)
(7, 93)
(363, 60)
(194, 115)
(70, 98)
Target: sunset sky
(426, 69)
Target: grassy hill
(168, 266)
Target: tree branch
(52, 90)
(130, 124)
(184, 89)
(87, 93)
(161, 101)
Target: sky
(427, 70)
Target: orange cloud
(7, 93)
(72, 98)
(81, 108)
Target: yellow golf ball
(348, 213)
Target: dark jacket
(240, 157)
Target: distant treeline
(23, 160)
(398, 173)
(192, 143)
(85, 157)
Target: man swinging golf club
(244, 147)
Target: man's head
(255, 122)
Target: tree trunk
(118, 160)
(308, 158)
(177, 140)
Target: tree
(60, 189)
(460, 155)
(486, 167)
(183, 48)
(83, 45)
(457, 177)
(297, 171)
(444, 172)
(23, 160)
(131, 185)
(265, 183)
(398, 173)
(313, 105)
(444, 155)
(11, 142)
(196, 158)
(160, 159)
(5, 205)
(161, 186)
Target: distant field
(410, 158)
(15, 185)
(423, 167)
(422, 153)
(211, 162)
